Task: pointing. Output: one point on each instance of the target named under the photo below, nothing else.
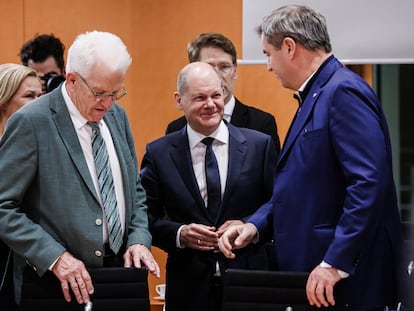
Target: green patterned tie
(106, 187)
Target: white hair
(97, 47)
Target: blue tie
(106, 187)
(212, 179)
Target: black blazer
(243, 116)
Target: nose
(210, 101)
(269, 68)
(106, 101)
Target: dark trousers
(6, 279)
(111, 259)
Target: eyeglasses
(114, 96)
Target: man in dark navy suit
(173, 174)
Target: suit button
(98, 222)
(98, 253)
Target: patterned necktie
(106, 187)
(212, 179)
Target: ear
(290, 45)
(235, 73)
(71, 77)
(178, 103)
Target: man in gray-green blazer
(51, 210)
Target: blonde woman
(18, 85)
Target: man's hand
(72, 273)
(236, 237)
(199, 237)
(137, 253)
(320, 285)
(226, 225)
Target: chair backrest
(259, 290)
(115, 289)
(406, 281)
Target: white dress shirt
(229, 108)
(198, 151)
(84, 133)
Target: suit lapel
(121, 150)
(69, 137)
(305, 111)
(237, 155)
(181, 157)
(239, 116)
(302, 115)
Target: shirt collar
(77, 119)
(221, 134)
(229, 107)
(305, 87)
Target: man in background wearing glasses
(54, 211)
(218, 51)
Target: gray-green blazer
(48, 203)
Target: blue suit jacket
(48, 202)
(334, 197)
(174, 199)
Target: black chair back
(258, 290)
(115, 289)
(406, 281)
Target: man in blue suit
(51, 207)
(173, 176)
(334, 210)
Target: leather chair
(259, 290)
(115, 289)
(406, 281)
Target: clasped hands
(203, 237)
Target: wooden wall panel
(11, 32)
(156, 33)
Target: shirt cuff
(53, 264)
(341, 273)
(177, 238)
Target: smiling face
(102, 81)
(202, 101)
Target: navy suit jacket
(334, 197)
(174, 199)
(243, 116)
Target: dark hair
(207, 40)
(41, 47)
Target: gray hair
(301, 23)
(97, 47)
